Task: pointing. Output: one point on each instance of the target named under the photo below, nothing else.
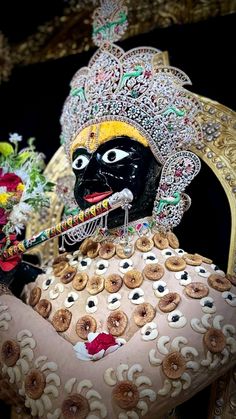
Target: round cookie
(122, 253)
(214, 340)
(75, 406)
(219, 282)
(95, 284)
(144, 313)
(160, 241)
(68, 275)
(44, 307)
(133, 279)
(126, 394)
(35, 383)
(205, 259)
(10, 352)
(169, 302)
(117, 323)
(144, 244)
(153, 271)
(173, 240)
(61, 320)
(196, 290)
(84, 247)
(60, 267)
(85, 325)
(174, 365)
(107, 250)
(93, 249)
(192, 260)
(175, 264)
(113, 283)
(79, 281)
(61, 258)
(35, 295)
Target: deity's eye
(114, 155)
(80, 162)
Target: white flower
(15, 138)
(3, 189)
(39, 189)
(19, 213)
(25, 208)
(18, 228)
(22, 174)
(17, 216)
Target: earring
(62, 247)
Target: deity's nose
(93, 172)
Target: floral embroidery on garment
(217, 339)
(129, 392)
(41, 382)
(82, 401)
(177, 360)
(35, 378)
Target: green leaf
(49, 186)
(6, 149)
(30, 142)
(22, 157)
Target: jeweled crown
(131, 87)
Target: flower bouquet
(23, 190)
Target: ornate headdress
(135, 93)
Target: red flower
(3, 217)
(102, 341)
(8, 264)
(10, 180)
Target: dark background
(31, 104)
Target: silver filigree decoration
(171, 202)
(119, 86)
(109, 21)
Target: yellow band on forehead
(93, 136)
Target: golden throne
(218, 152)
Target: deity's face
(119, 163)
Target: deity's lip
(96, 196)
